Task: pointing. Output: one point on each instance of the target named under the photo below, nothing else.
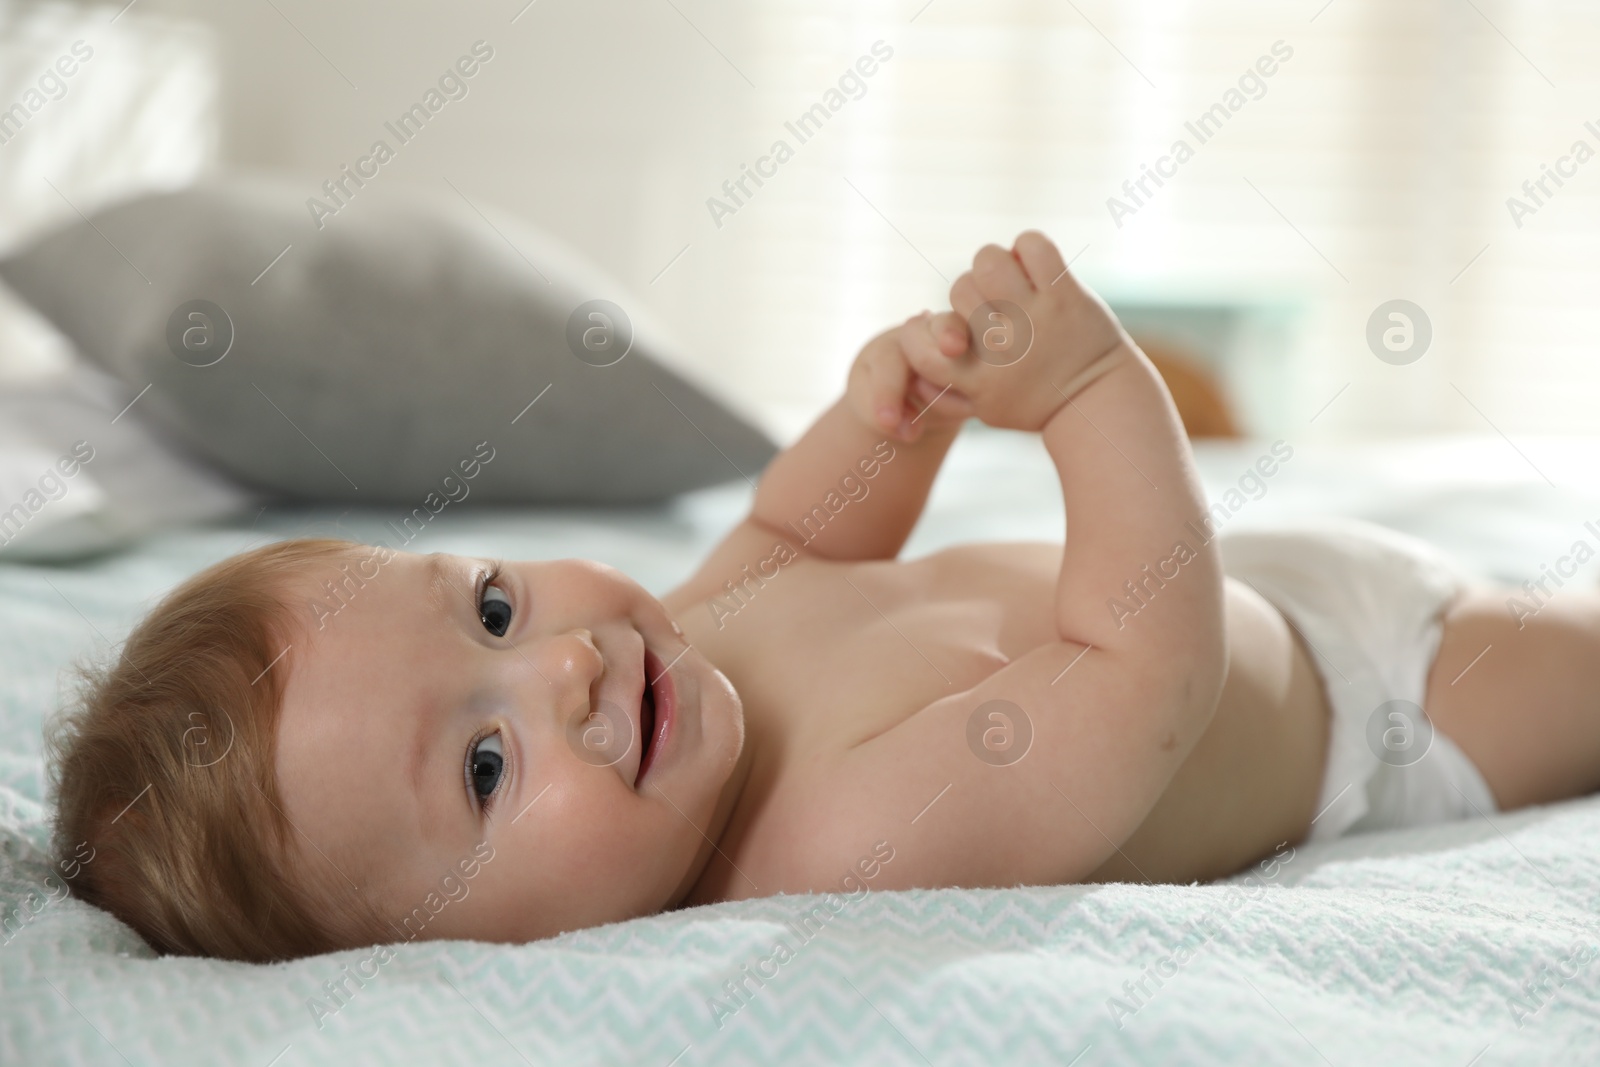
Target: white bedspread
(1474, 939)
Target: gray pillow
(395, 344)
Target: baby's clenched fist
(1037, 335)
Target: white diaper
(1368, 601)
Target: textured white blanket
(1464, 943)
(1468, 943)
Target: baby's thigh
(1522, 697)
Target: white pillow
(133, 482)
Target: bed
(1467, 943)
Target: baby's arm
(1135, 509)
(830, 465)
(1114, 706)
(856, 482)
(852, 487)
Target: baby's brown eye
(495, 611)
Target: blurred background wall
(1374, 163)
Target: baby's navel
(1170, 743)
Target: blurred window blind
(1374, 163)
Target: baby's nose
(575, 654)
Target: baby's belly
(1253, 779)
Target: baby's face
(432, 712)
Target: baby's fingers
(1039, 257)
(888, 377)
(945, 397)
(932, 345)
(965, 296)
(950, 333)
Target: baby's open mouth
(647, 723)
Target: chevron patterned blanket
(1465, 943)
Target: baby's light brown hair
(163, 764)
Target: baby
(503, 751)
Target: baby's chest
(830, 654)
